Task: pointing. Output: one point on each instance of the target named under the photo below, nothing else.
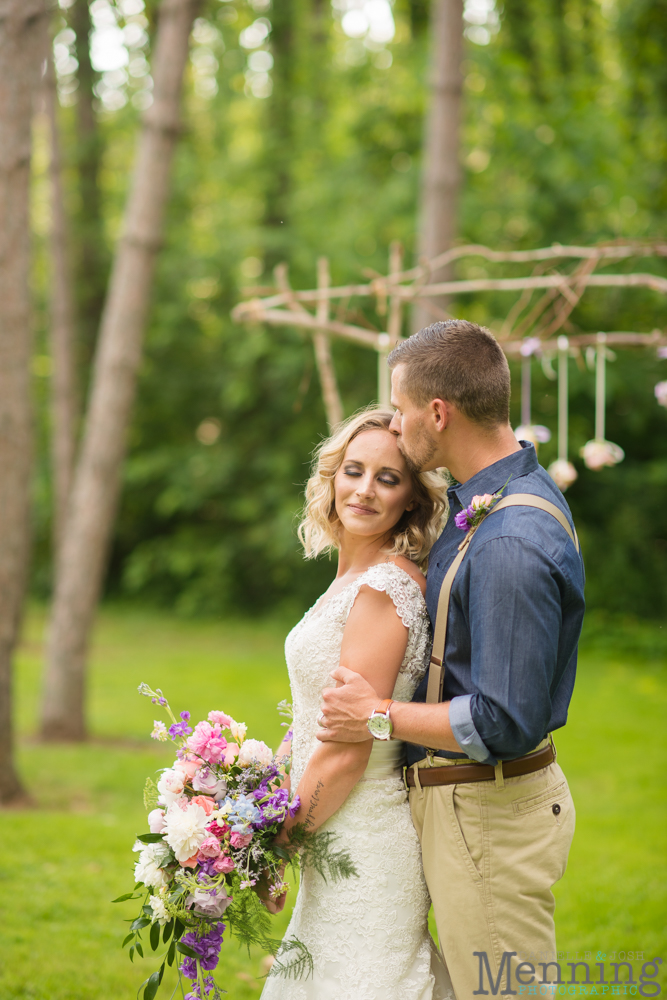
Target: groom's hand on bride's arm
(347, 707)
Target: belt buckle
(405, 778)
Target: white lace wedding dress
(368, 936)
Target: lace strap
(403, 590)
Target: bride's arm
(374, 644)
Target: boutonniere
(473, 515)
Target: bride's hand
(346, 708)
(272, 905)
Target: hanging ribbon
(528, 431)
(562, 471)
(599, 452)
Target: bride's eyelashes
(355, 473)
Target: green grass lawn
(63, 861)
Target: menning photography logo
(586, 978)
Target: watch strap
(383, 707)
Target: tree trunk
(92, 262)
(22, 38)
(93, 502)
(62, 338)
(441, 176)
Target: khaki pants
(492, 851)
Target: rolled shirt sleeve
(515, 617)
(465, 732)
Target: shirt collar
(494, 477)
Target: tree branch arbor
(82, 555)
(22, 49)
(542, 316)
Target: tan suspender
(436, 674)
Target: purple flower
(296, 805)
(461, 521)
(207, 947)
(163, 701)
(273, 810)
(185, 716)
(179, 729)
(209, 988)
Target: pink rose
(240, 839)
(216, 830)
(481, 501)
(224, 864)
(156, 823)
(231, 753)
(207, 742)
(189, 766)
(209, 848)
(208, 805)
(220, 718)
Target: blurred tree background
(304, 127)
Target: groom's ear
(440, 413)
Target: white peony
(238, 730)
(170, 786)
(185, 829)
(160, 914)
(147, 868)
(254, 750)
(205, 781)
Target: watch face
(380, 727)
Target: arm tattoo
(314, 800)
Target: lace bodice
(313, 650)
(367, 935)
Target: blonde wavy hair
(416, 530)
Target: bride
(368, 935)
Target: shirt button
(555, 809)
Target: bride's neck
(357, 553)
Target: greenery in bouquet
(210, 859)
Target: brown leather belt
(455, 774)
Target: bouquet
(211, 857)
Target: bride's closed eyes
(356, 471)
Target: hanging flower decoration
(661, 393)
(596, 454)
(530, 346)
(535, 433)
(563, 473)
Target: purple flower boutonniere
(473, 515)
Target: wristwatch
(379, 724)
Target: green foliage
(293, 960)
(315, 851)
(563, 139)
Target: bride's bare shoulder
(411, 569)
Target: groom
(491, 805)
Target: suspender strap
(436, 674)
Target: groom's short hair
(460, 362)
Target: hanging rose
(597, 454)
(563, 473)
(661, 393)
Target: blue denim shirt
(515, 615)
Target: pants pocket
(466, 818)
(550, 798)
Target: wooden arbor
(544, 299)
